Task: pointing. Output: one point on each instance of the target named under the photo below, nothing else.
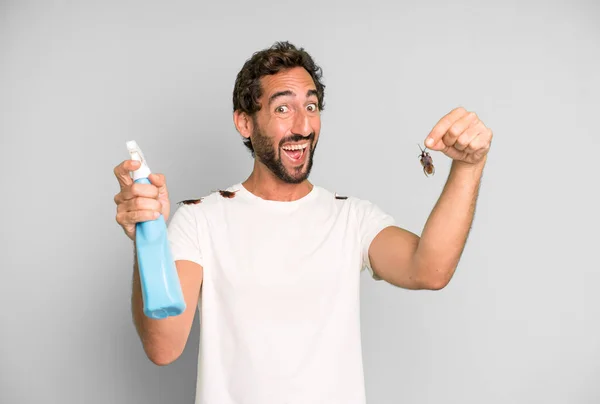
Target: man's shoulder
(347, 200)
(339, 195)
(230, 194)
(206, 199)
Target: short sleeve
(183, 235)
(371, 220)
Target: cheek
(274, 130)
(316, 124)
(278, 130)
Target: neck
(265, 185)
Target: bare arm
(164, 340)
(429, 262)
(447, 229)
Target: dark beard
(267, 154)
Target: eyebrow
(284, 93)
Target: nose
(301, 125)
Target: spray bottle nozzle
(136, 154)
(134, 151)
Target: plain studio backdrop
(519, 323)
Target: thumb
(438, 145)
(159, 181)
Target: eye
(282, 109)
(312, 107)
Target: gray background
(517, 324)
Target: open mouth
(295, 152)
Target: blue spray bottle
(161, 290)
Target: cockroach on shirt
(426, 161)
(227, 194)
(190, 201)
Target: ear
(243, 123)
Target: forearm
(143, 324)
(164, 339)
(446, 231)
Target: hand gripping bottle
(161, 290)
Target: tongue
(295, 154)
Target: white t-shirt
(279, 305)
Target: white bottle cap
(136, 154)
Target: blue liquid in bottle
(161, 289)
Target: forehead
(296, 79)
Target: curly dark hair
(280, 56)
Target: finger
(440, 129)
(157, 179)
(129, 218)
(465, 139)
(140, 204)
(481, 142)
(122, 172)
(458, 128)
(135, 191)
(160, 182)
(455, 154)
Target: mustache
(296, 138)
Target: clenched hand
(462, 136)
(139, 202)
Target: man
(273, 263)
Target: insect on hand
(426, 161)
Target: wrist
(465, 166)
(468, 172)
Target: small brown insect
(426, 162)
(190, 201)
(227, 194)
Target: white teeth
(295, 147)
